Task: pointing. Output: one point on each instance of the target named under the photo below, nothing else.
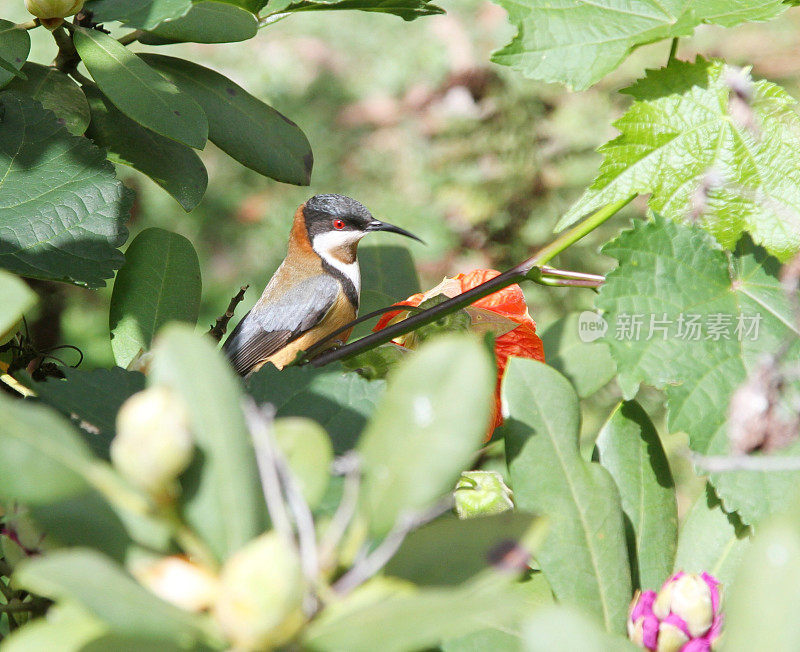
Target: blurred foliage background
(412, 120)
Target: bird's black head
(349, 219)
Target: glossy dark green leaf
(588, 364)
(242, 126)
(140, 92)
(206, 22)
(56, 92)
(388, 275)
(711, 540)
(159, 283)
(142, 14)
(15, 299)
(631, 451)
(406, 9)
(91, 399)
(339, 401)
(107, 592)
(173, 166)
(15, 45)
(222, 500)
(61, 207)
(5, 66)
(450, 551)
(579, 498)
(426, 429)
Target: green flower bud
(153, 444)
(51, 13)
(259, 605)
(480, 493)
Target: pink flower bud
(683, 616)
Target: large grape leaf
(578, 42)
(713, 147)
(61, 206)
(730, 309)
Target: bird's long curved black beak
(377, 225)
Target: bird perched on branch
(314, 292)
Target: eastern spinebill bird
(316, 289)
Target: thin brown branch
(221, 325)
(130, 37)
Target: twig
(31, 24)
(80, 78)
(727, 463)
(221, 325)
(67, 59)
(530, 269)
(349, 466)
(304, 521)
(258, 422)
(378, 558)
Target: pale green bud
(259, 605)
(51, 13)
(179, 581)
(670, 638)
(153, 445)
(480, 493)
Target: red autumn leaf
(521, 342)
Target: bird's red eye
(338, 225)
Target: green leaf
(308, 452)
(672, 272)
(761, 607)
(15, 45)
(5, 65)
(67, 628)
(42, 459)
(562, 628)
(631, 451)
(405, 619)
(206, 22)
(242, 126)
(588, 365)
(340, 402)
(61, 206)
(223, 500)
(109, 594)
(57, 93)
(406, 9)
(711, 540)
(707, 156)
(173, 166)
(140, 92)
(91, 399)
(450, 551)
(549, 477)
(16, 298)
(159, 283)
(388, 275)
(578, 43)
(142, 14)
(426, 429)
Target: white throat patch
(325, 243)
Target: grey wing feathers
(275, 322)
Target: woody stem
(530, 269)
